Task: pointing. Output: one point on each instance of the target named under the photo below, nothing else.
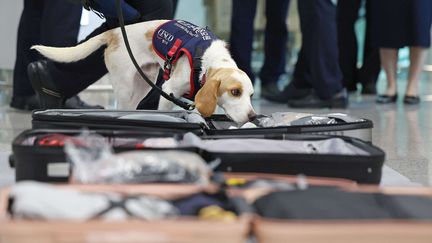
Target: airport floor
(403, 132)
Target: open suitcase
(409, 219)
(182, 228)
(187, 121)
(289, 154)
(410, 226)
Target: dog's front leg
(178, 84)
(164, 104)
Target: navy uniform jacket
(108, 9)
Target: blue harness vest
(177, 37)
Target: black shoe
(25, 103)
(76, 103)
(386, 99)
(351, 88)
(49, 95)
(269, 90)
(290, 92)
(369, 88)
(40, 78)
(411, 100)
(339, 100)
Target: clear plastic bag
(94, 162)
(303, 119)
(281, 119)
(314, 120)
(59, 203)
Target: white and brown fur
(223, 78)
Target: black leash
(169, 97)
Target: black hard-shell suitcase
(312, 155)
(187, 121)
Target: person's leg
(79, 75)
(389, 60)
(28, 35)
(60, 26)
(175, 5)
(298, 88)
(371, 67)
(417, 60)
(276, 36)
(319, 44)
(60, 23)
(419, 44)
(242, 32)
(320, 56)
(68, 79)
(72, 78)
(347, 15)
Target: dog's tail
(75, 53)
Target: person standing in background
(367, 74)
(56, 82)
(276, 36)
(317, 67)
(400, 23)
(46, 22)
(317, 78)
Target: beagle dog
(221, 82)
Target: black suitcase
(187, 121)
(312, 155)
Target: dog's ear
(206, 98)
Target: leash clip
(191, 106)
(167, 67)
(168, 60)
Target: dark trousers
(72, 78)
(318, 61)
(276, 35)
(347, 15)
(46, 22)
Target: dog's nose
(252, 115)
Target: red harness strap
(169, 59)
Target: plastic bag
(314, 120)
(94, 162)
(281, 119)
(304, 119)
(70, 204)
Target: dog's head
(231, 89)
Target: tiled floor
(403, 132)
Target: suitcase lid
(119, 119)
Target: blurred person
(46, 22)
(367, 74)
(276, 36)
(175, 5)
(56, 82)
(317, 78)
(400, 23)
